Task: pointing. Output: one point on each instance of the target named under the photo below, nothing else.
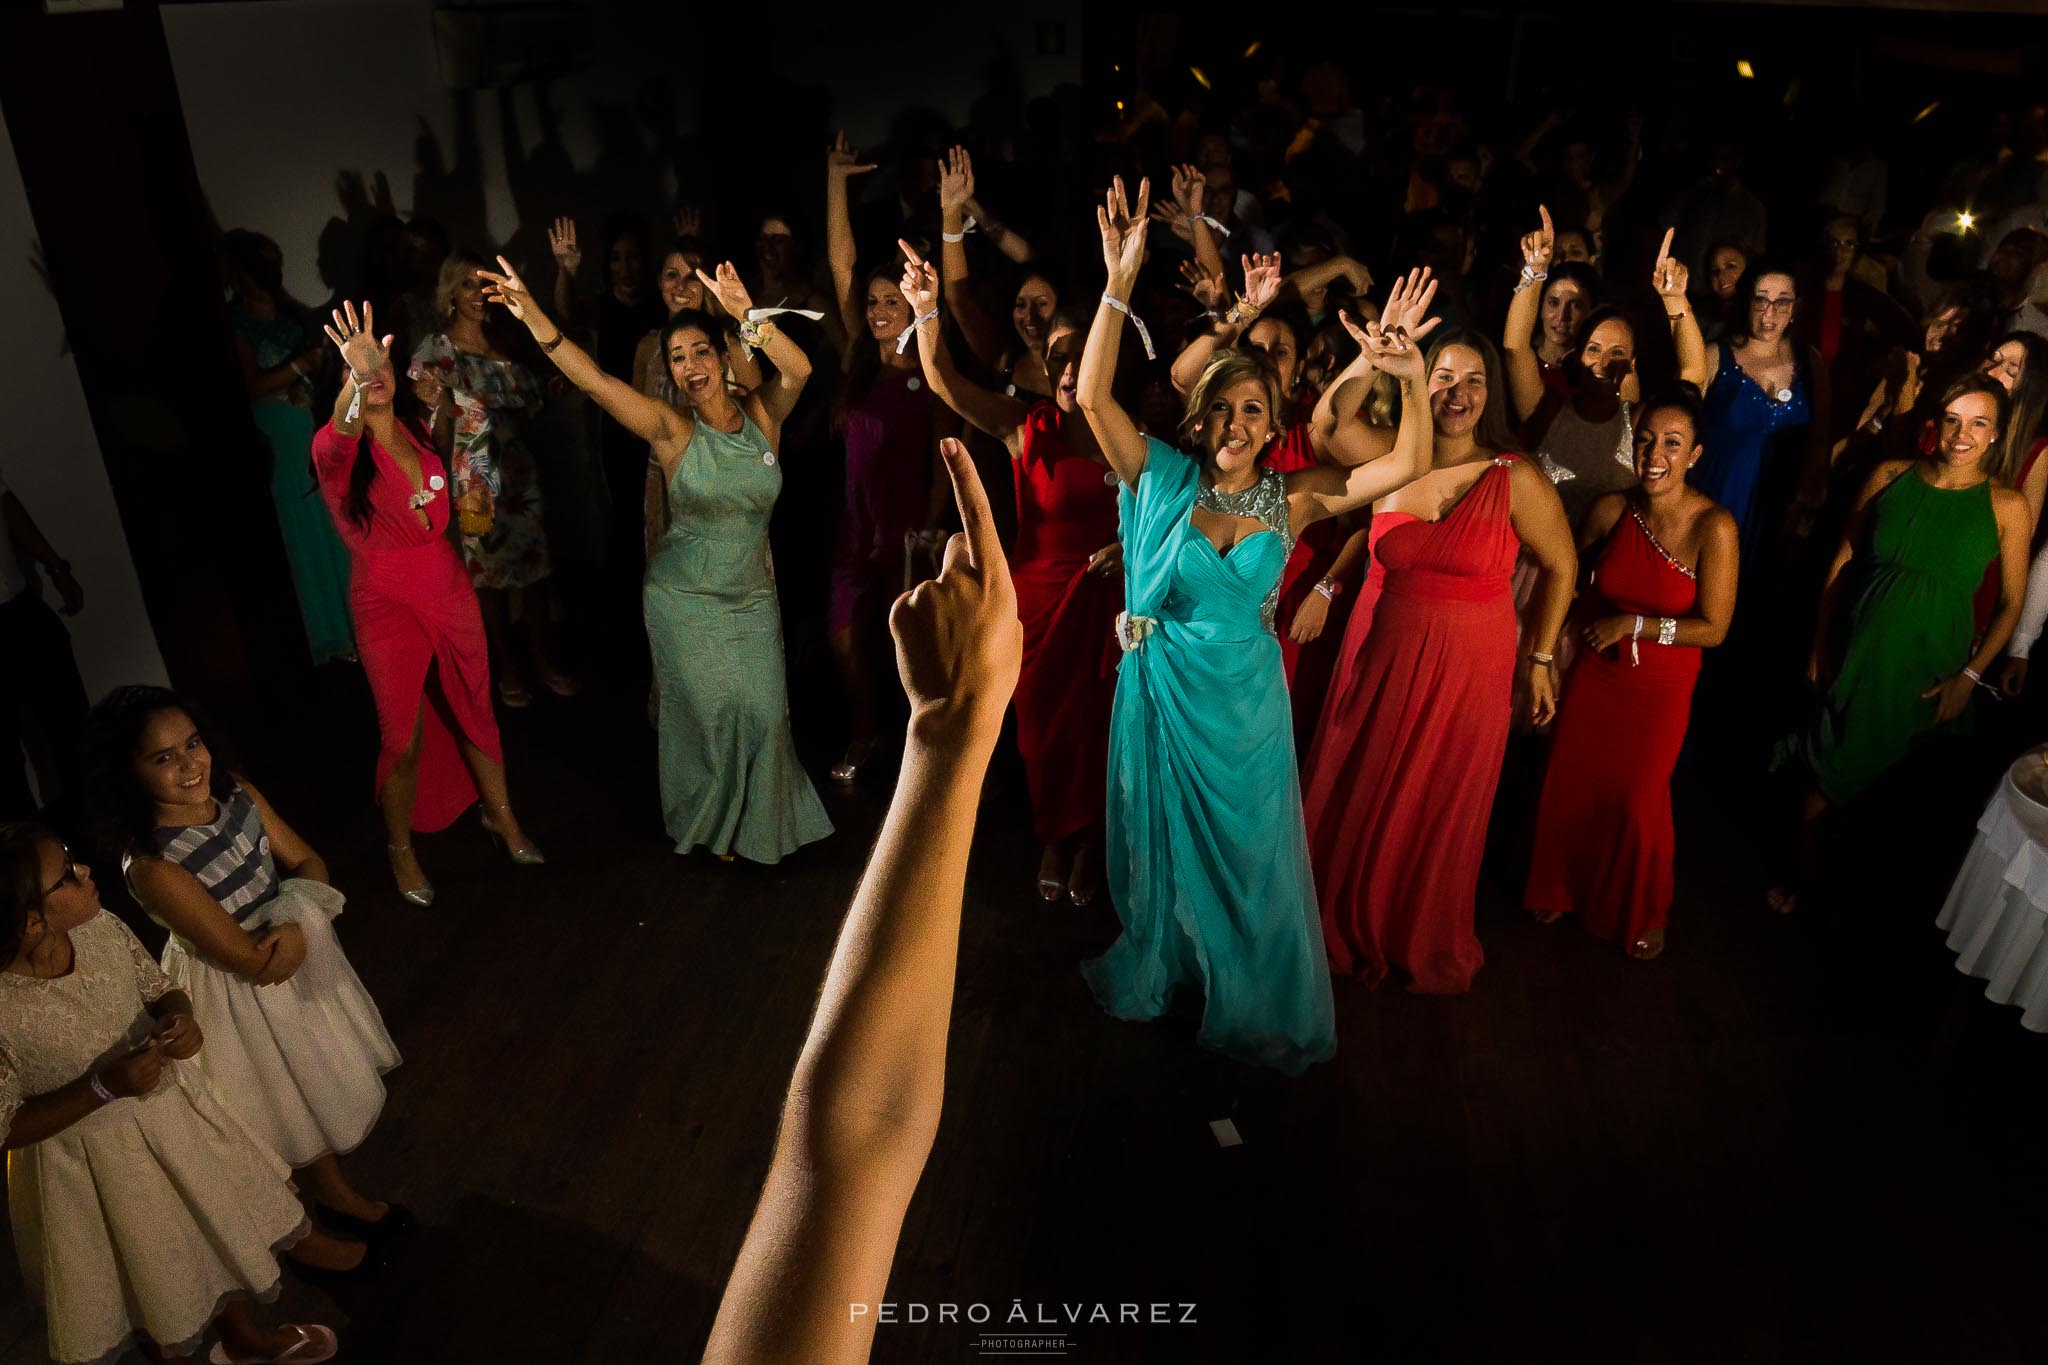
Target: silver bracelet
(1667, 630)
(99, 1088)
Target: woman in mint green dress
(1207, 861)
(279, 357)
(730, 780)
(1913, 656)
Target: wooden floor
(1793, 1139)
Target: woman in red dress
(418, 629)
(1067, 565)
(1661, 589)
(1409, 750)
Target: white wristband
(961, 235)
(1205, 218)
(1144, 334)
(910, 333)
(99, 1088)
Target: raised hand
(1123, 227)
(1208, 289)
(562, 245)
(1393, 351)
(1669, 277)
(958, 641)
(1261, 280)
(726, 287)
(1540, 245)
(1189, 185)
(842, 161)
(1408, 305)
(509, 290)
(956, 179)
(689, 221)
(920, 283)
(356, 339)
(1169, 215)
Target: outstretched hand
(1669, 277)
(726, 287)
(956, 179)
(841, 160)
(958, 641)
(1123, 227)
(510, 291)
(920, 284)
(1261, 280)
(1540, 245)
(1207, 289)
(357, 341)
(562, 245)
(1408, 304)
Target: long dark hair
(1574, 361)
(123, 815)
(2029, 401)
(1575, 272)
(21, 882)
(1745, 291)
(1494, 432)
(863, 352)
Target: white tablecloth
(1997, 910)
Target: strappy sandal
(316, 1343)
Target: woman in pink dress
(1402, 777)
(1067, 565)
(418, 629)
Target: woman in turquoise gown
(730, 779)
(1207, 860)
(279, 357)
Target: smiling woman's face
(1457, 390)
(1237, 425)
(1969, 429)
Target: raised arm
(1518, 348)
(997, 414)
(1326, 490)
(1123, 251)
(792, 366)
(865, 1099)
(1669, 278)
(1339, 432)
(1261, 287)
(1321, 275)
(362, 356)
(647, 418)
(841, 163)
(956, 191)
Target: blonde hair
(1227, 370)
(459, 266)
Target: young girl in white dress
(299, 1048)
(144, 1212)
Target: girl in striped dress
(296, 1048)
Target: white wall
(53, 461)
(280, 94)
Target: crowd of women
(1292, 576)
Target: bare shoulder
(2010, 504)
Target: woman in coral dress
(1401, 780)
(418, 629)
(1662, 589)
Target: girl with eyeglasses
(145, 1213)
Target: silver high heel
(526, 854)
(422, 896)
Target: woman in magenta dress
(1402, 777)
(418, 629)
(892, 449)
(1067, 565)
(1660, 590)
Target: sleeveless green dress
(730, 779)
(1912, 626)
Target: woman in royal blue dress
(1207, 860)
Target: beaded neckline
(1264, 502)
(1658, 545)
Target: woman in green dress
(730, 779)
(279, 356)
(1912, 657)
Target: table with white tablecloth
(1996, 914)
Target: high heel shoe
(846, 769)
(526, 854)
(421, 895)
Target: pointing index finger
(984, 550)
(1664, 248)
(1543, 212)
